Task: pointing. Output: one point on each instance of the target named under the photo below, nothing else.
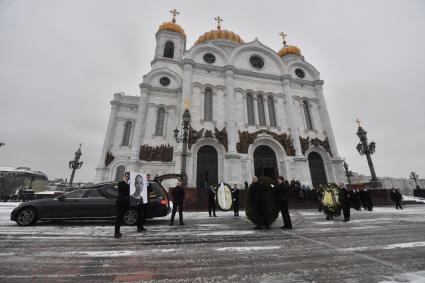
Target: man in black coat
(122, 202)
(396, 197)
(282, 193)
(178, 200)
(258, 200)
(235, 200)
(345, 202)
(211, 200)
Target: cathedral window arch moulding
(119, 175)
(208, 104)
(307, 115)
(127, 133)
(272, 113)
(169, 49)
(250, 109)
(160, 119)
(261, 112)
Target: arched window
(272, 115)
(261, 113)
(250, 109)
(127, 133)
(208, 104)
(307, 115)
(120, 173)
(169, 49)
(160, 122)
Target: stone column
(318, 88)
(255, 105)
(291, 114)
(244, 109)
(186, 88)
(230, 117)
(266, 110)
(166, 114)
(280, 112)
(110, 132)
(139, 128)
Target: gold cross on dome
(283, 35)
(174, 13)
(358, 122)
(218, 19)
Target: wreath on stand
(271, 206)
(330, 200)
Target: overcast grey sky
(61, 62)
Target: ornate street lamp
(364, 148)
(348, 173)
(183, 138)
(75, 164)
(415, 177)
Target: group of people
(212, 200)
(342, 197)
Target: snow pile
(415, 199)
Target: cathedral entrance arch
(207, 166)
(265, 162)
(317, 169)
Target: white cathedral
(254, 111)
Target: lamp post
(415, 177)
(183, 138)
(365, 148)
(348, 173)
(75, 164)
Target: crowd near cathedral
(254, 111)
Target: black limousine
(96, 202)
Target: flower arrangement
(330, 201)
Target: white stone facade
(231, 78)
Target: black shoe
(140, 230)
(258, 228)
(215, 215)
(286, 227)
(171, 224)
(210, 215)
(117, 235)
(182, 223)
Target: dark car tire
(26, 217)
(130, 217)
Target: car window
(93, 193)
(110, 190)
(155, 190)
(75, 194)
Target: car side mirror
(61, 198)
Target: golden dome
(289, 49)
(219, 34)
(172, 27)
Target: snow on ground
(387, 247)
(411, 277)
(415, 199)
(246, 249)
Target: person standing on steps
(282, 192)
(345, 202)
(122, 202)
(178, 194)
(211, 200)
(235, 200)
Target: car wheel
(130, 217)
(26, 217)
